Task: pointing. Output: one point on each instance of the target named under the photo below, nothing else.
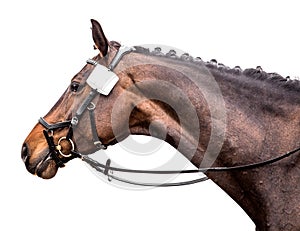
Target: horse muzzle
(43, 166)
(44, 162)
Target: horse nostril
(24, 152)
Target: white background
(43, 44)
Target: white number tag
(102, 79)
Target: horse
(218, 117)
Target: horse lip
(37, 167)
(34, 168)
(42, 168)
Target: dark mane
(255, 73)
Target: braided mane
(255, 73)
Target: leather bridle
(56, 152)
(102, 87)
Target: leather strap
(84, 106)
(203, 170)
(106, 169)
(96, 139)
(52, 150)
(54, 126)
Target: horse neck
(193, 102)
(262, 121)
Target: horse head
(52, 141)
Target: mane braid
(254, 73)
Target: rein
(103, 86)
(108, 170)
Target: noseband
(102, 80)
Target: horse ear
(101, 43)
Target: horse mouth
(45, 167)
(46, 162)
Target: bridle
(103, 86)
(98, 85)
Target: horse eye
(74, 86)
